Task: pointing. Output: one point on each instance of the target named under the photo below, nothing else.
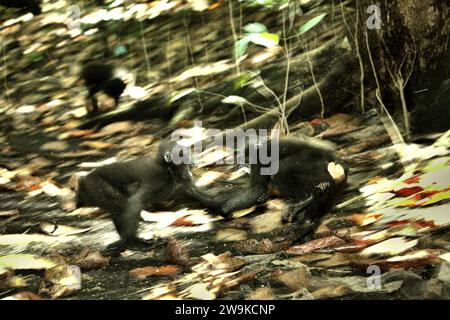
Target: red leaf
(406, 192)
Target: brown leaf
(61, 281)
(295, 279)
(339, 131)
(5, 276)
(368, 144)
(311, 257)
(227, 262)
(336, 260)
(228, 284)
(145, 272)
(75, 134)
(9, 213)
(261, 247)
(98, 144)
(313, 245)
(176, 253)
(88, 259)
(117, 127)
(24, 296)
(264, 293)
(331, 292)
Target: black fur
(302, 179)
(101, 77)
(125, 188)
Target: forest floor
(387, 237)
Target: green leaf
(265, 39)
(255, 27)
(311, 23)
(241, 47)
(120, 50)
(244, 79)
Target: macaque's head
(78, 184)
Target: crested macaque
(102, 77)
(125, 188)
(32, 6)
(309, 177)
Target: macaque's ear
(75, 179)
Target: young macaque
(125, 188)
(102, 77)
(309, 178)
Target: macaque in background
(102, 77)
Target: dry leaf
(145, 272)
(264, 293)
(313, 245)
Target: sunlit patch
(391, 246)
(203, 70)
(26, 109)
(211, 156)
(32, 48)
(208, 177)
(116, 3)
(25, 262)
(267, 54)
(23, 18)
(135, 92)
(94, 17)
(159, 7)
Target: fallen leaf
(60, 230)
(23, 296)
(313, 245)
(61, 281)
(162, 271)
(264, 246)
(264, 293)
(21, 261)
(391, 246)
(226, 261)
(331, 292)
(295, 279)
(25, 239)
(177, 253)
(201, 291)
(88, 259)
(9, 213)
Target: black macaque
(309, 177)
(32, 6)
(102, 77)
(125, 188)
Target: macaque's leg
(93, 98)
(295, 210)
(255, 194)
(127, 222)
(306, 229)
(116, 101)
